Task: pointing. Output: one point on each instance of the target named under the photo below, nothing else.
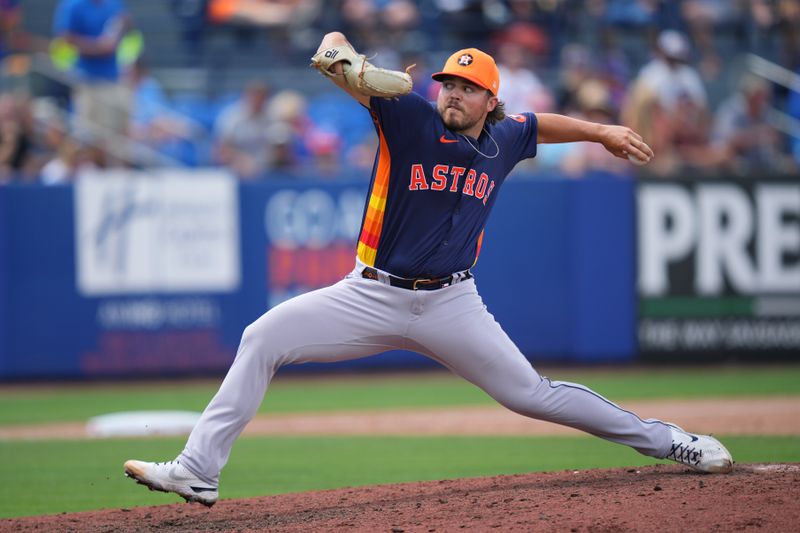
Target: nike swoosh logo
(445, 140)
(202, 489)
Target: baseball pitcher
(439, 169)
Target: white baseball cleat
(172, 476)
(700, 452)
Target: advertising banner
(719, 268)
(156, 254)
(5, 299)
(133, 274)
(310, 235)
(170, 233)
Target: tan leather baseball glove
(361, 75)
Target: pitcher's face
(462, 104)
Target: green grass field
(293, 394)
(46, 477)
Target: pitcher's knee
(530, 401)
(255, 344)
(527, 407)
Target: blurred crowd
(685, 74)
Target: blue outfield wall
(120, 280)
(558, 269)
(5, 354)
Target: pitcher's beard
(457, 123)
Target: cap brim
(476, 81)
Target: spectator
(670, 76)
(613, 66)
(667, 103)
(359, 19)
(760, 20)
(460, 22)
(71, 159)
(680, 136)
(521, 89)
(153, 123)
(48, 131)
(386, 28)
(16, 41)
(702, 16)
(325, 146)
(338, 127)
(148, 101)
(242, 132)
(193, 22)
(15, 139)
(574, 70)
(643, 112)
(268, 13)
(10, 18)
(594, 99)
(401, 18)
(743, 131)
(282, 21)
(290, 126)
(691, 140)
(789, 27)
(95, 28)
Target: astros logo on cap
(472, 65)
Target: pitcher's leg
(481, 352)
(331, 324)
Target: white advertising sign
(170, 231)
(747, 236)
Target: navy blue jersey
(431, 191)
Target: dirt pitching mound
(659, 498)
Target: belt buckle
(420, 280)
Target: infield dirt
(660, 498)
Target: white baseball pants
(358, 317)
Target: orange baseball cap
(473, 65)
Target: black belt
(417, 284)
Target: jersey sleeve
(399, 118)
(522, 131)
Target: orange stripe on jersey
(478, 251)
(373, 219)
